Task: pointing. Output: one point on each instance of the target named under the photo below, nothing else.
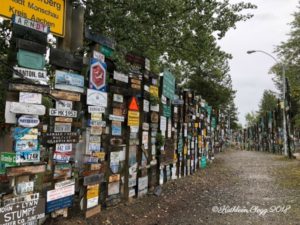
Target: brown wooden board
(93, 211)
(29, 34)
(28, 88)
(31, 46)
(33, 169)
(65, 95)
(65, 60)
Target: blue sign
(69, 81)
(27, 156)
(26, 145)
(25, 133)
(61, 203)
(116, 130)
(97, 75)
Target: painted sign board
(120, 77)
(63, 157)
(63, 119)
(64, 183)
(38, 76)
(65, 95)
(30, 60)
(97, 75)
(64, 105)
(7, 159)
(133, 118)
(62, 127)
(69, 81)
(49, 13)
(28, 88)
(63, 113)
(27, 97)
(118, 98)
(21, 133)
(153, 90)
(26, 145)
(28, 121)
(60, 138)
(23, 212)
(116, 128)
(33, 169)
(61, 203)
(167, 111)
(168, 88)
(60, 193)
(97, 98)
(26, 108)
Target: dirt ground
(238, 188)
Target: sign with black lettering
(23, 212)
(63, 113)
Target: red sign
(98, 75)
(133, 105)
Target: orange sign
(133, 105)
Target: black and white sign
(62, 127)
(40, 76)
(33, 98)
(120, 77)
(28, 121)
(96, 109)
(63, 113)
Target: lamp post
(287, 151)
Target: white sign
(169, 128)
(40, 76)
(120, 77)
(96, 109)
(163, 123)
(143, 183)
(97, 98)
(63, 113)
(116, 118)
(97, 123)
(94, 138)
(154, 108)
(9, 116)
(99, 56)
(27, 97)
(145, 139)
(62, 127)
(28, 121)
(118, 98)
(64, 183)
(64, 105)
(146, 105)
(26, 108)
(91, 202)
(60, 193)
(25, 187)
(146, 88)
(63, 147)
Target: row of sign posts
(112, 140)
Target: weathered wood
(65, 59)
(31, 46)
(29, 34)
(93, 211)
(65, 95)
(34, 169)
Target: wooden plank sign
(26, 108)
(31, 46)
(93, 179)
(69, 81)
(97, 98)
(38, 76)
(33, 169)
(65, 95)
(20, 31)
(64, 119)
(28, 88)
(30, 60)
(65, 60)
(63, 113)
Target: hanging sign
(28, 121)
(99, 56)
(21, 133)
(97, 98)
(69, 81)
(26, 145)
(168, 88)
(63, 105)
(133, 118)
(63, 113)
(39, 76)
(27, 97)
(62, 127)
(26, 108)
(133, 105)
(30, 60)
(97, 75)
(96, 109)
(23, 212)
(27, 156)
(120, 77)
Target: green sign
(167, 111)
(31, 60)
(213, 122)
(168, 85)
(180, 145)
(106, 51)
(7, 159)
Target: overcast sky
(267, 29)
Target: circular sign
(28, 121)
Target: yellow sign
(48, 12)
(100, 155)
(92, 191)
(133, 118)
(153, 90)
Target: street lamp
(287, 151)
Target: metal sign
(60, 138)
(39, 76)
(146, 105)
(167, 111)
(120, 77)
(116, 128)
(31, 60)
(97, 98)
(133, 105)
(28, 121)
(26, 145)
(63, 113)
(61, 203)
(97, 75)
(26, 108)
(168, 88)
(64, 183)
(118, 98)
(62, 127)
(96, 109)
(64, 105)
(27, 156)
(61, 157)
(50, 13)
(153, 90)
(26, 97)
(23, 212)
(21, 133)
(63, 171)
(133, 118)
(25, 187)
(63, 147)
(69, 81)
(60, 193)
(116, 118)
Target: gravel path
(238, 188)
